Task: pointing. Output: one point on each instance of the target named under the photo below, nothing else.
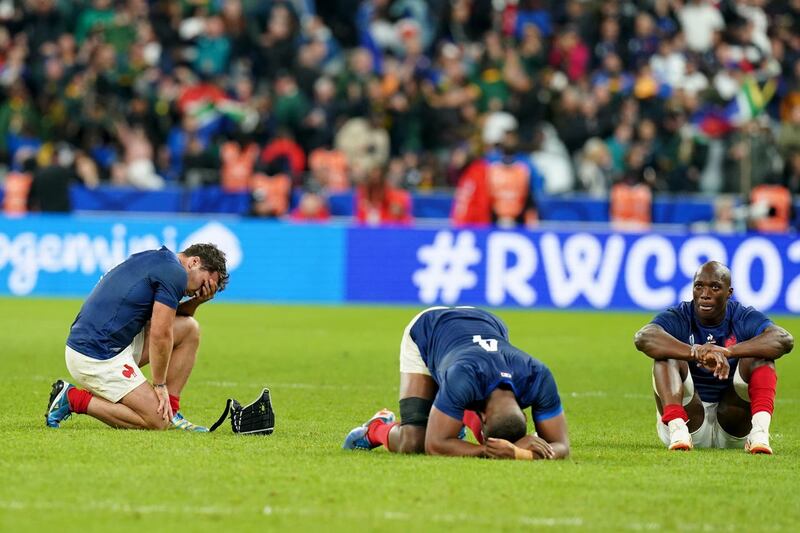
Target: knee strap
(415, 411)
(740, 385)
(688, 388)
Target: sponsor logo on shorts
(128, 371)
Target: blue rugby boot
(357, 438)
(178, 422)
(58, 405)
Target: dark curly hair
(213, 260)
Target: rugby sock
(378, 432)
(673, 411)
(175, 403)
(473, 422)
(78, 400)
(762, 395)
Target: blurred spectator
(49, 190)
(595, 170)
(238, 158)
(312, 207)
(789, 136)
(137, 168)
(701, 23)
(378, 202)
(686, 95)
(751, 157)
(791, 175)
(270, 192)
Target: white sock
(761, 420)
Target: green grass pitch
(329, 369)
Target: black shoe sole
(58, 386)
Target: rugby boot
(679, 436)
(357, 438)
(58, 408)
(757, 442)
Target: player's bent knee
(187, 327)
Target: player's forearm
(771, 344)
(188, 307)
(454, 448)
(654, 342)
(160, 351)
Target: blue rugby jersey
(741, 323)
(122, 302)
(469, 355)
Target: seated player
(714, 371)
(134, 316)
(458, 367)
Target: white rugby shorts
(111, 379)
(410, 358)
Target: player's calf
(679, 408)
(754, 384)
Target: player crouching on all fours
(133, 316)
(457, 369)
(714, 370)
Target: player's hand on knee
(164, 408)
(541, 448)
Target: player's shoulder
(164, 262)
(681, 310)
(737, 311)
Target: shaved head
(716, 270)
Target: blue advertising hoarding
(594, 270)
(268, 261)
(285, 262)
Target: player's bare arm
(773, 343)
(160, 349)
(553, 431)
(656, 343)
(441, 437)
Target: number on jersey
(490, 345)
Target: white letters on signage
(659, 248)
(578, 274)
(793, 290)
(757, 249)
(694, 252)
(502, 279)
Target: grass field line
(268, 510)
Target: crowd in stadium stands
(501, 100)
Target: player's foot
(178, 422)
(679, 436)
(58, 405)
(357, 438)
(758, 441)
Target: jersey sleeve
(752, 323)
(169, 283)
(457, 390)
(673, 323)
(547, 402)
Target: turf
(330, 368)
